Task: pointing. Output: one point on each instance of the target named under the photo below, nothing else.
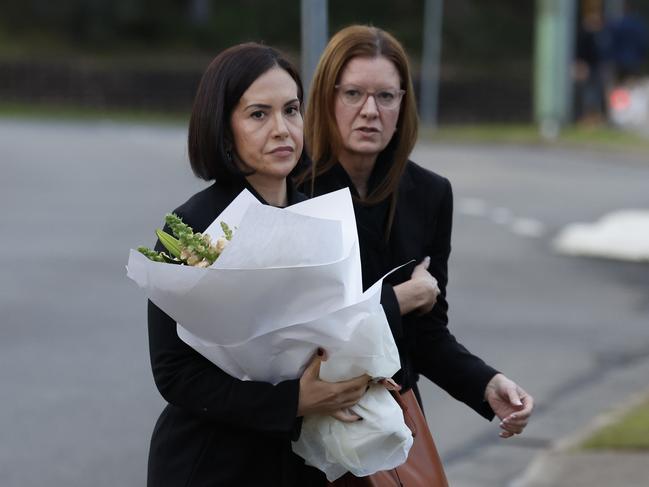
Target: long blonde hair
(321, 132)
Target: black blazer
(218, 430)
(422, 226)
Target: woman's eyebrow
(293, 100)
(258, 106)
(263, 106)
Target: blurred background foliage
(475, 31)
(149, 55)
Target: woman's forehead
(274, 85)
(377, 70)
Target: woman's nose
(369, 108)
(280, 128)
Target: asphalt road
(78, 402)
(572, 331)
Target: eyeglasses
(355, 96)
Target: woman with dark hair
(360, 127)
(245, 132)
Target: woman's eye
(258, 115)
(352, 93)
(386, 95)
(292, 110)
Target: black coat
(218, 430)
(421, 226)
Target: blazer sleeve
(435, 351)
(392, 310)
(189, 381)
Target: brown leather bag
(423, 468)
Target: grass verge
(630, 432)
(583, 137)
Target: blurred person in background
(245, 131)
(630, 44)
(360, 127)
(593, 53)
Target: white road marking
(527, 227)
(472, 207)
(501, 215)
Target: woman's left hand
(419, 292)
(510, 403)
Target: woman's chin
(366, 145)
(277, 174)
(366, 149)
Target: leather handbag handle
(407, 417)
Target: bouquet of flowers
(187, 247)
(296, 272)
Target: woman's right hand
(419, 292)
(332, 398)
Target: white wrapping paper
(289, 282)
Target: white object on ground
(620, 235)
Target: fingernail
(320, 352)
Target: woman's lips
(283, 151)
(367, 133)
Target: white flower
(221, 244)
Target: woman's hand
(419, 292)
(510, 403)
(333, 398)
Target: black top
(422, 226)
(218, 430)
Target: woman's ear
(227, 143)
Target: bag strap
(410, 423)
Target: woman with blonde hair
(360, 128)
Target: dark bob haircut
(229, 75)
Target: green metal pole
(429, 80)
(554, 52)
(314, 37)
